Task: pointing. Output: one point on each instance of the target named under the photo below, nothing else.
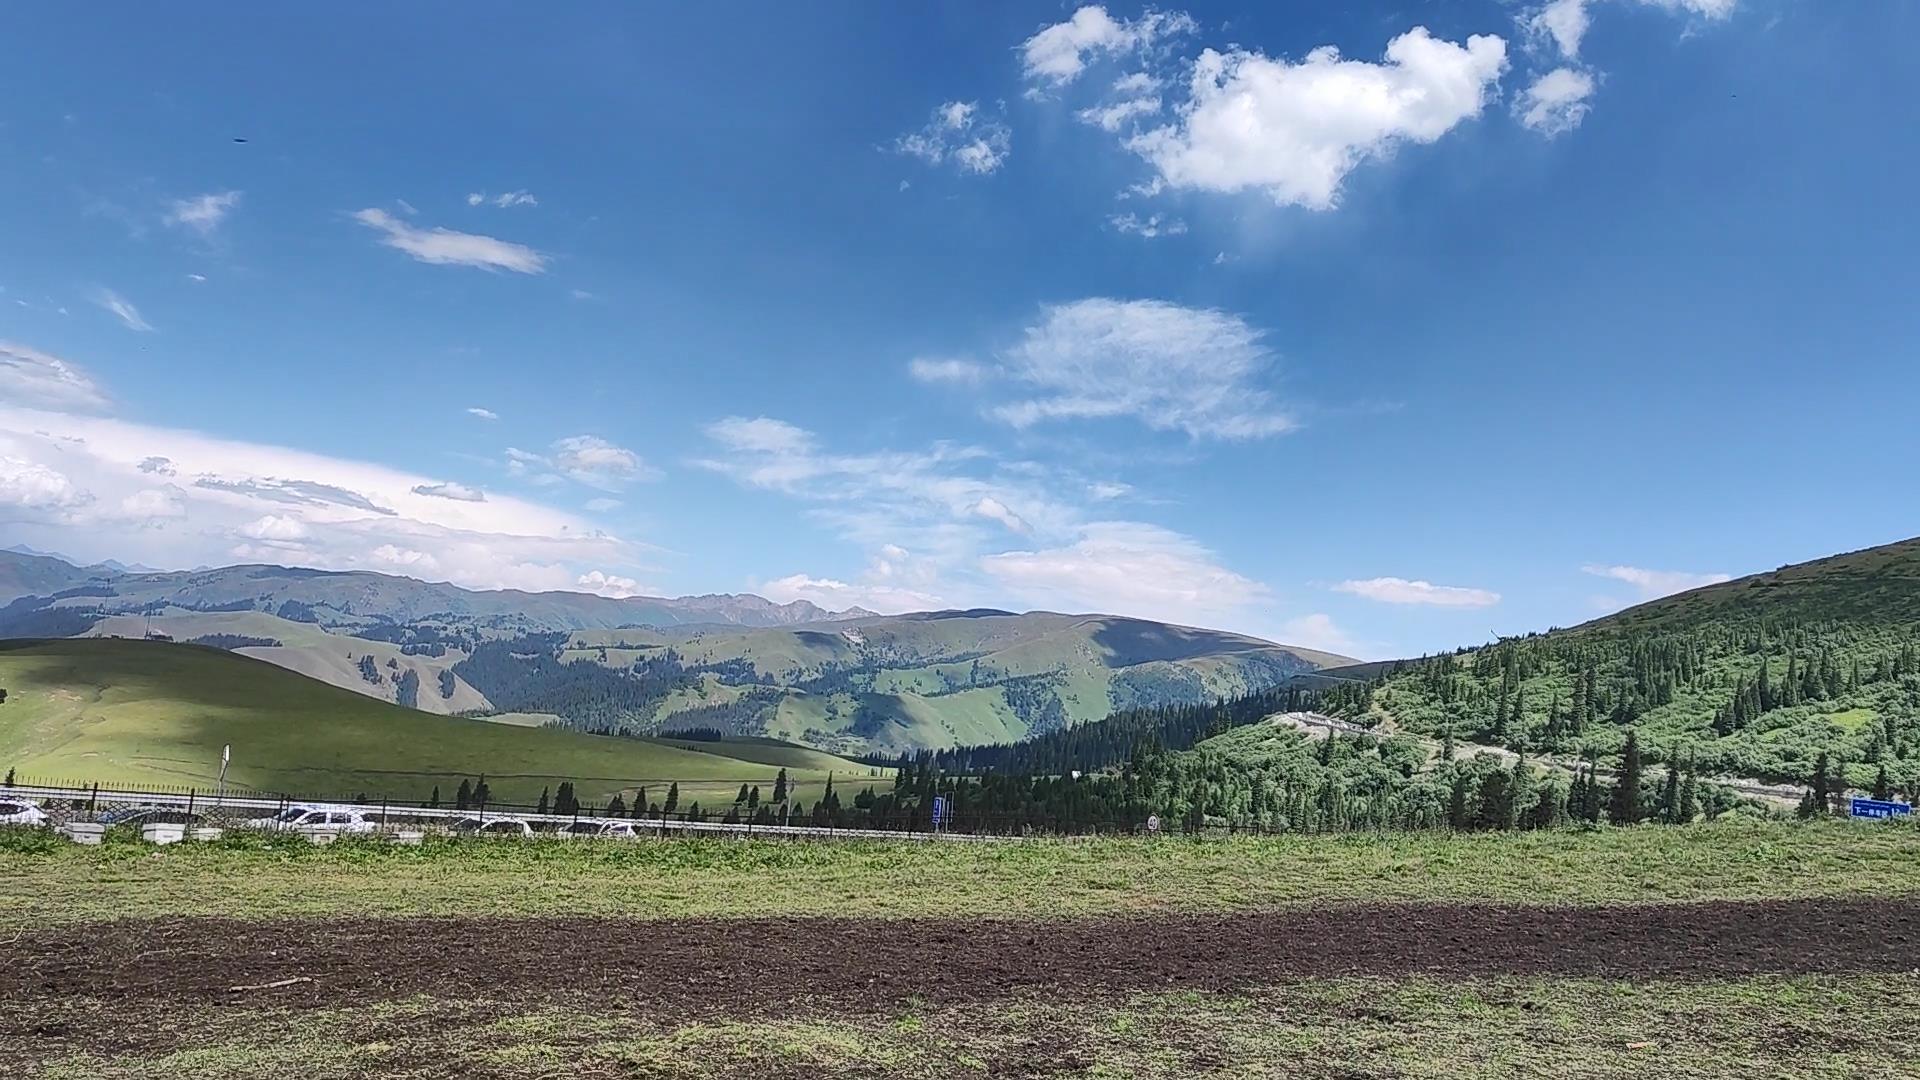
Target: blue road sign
(939, 809)
(1879, 808)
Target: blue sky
(1381, 329)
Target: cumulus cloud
(1393, 590)
(483, 414)
(1173, 368)
(1566, 22)
(506, 201)
(994, 510)
(1128, 568)
(450, 490)
(275, 527)
(87, 484)
(30, 487)
(601, 583)
(1114, 115)
(957, 133)
(1057, 54)
(1653, 584)
(445, 247)
(1296, 130)
(31, 377)
(946, 370)
(1149, 226)
(202, 213)
(121, 308)
(598, 463)
(1556, 102)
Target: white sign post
(226, 755)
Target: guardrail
(387, 815)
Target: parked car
(13, 812)
(309, 818)
(613, 830)
(493, 826)
(137, 816)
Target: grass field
(907, 960)
(87, 710)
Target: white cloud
(484, 414)
(197, 278)
(1059, 53)
(85, 476)
(959, 134)
(1128, 568)
(1151, 226)
(1115, 115)
(1653, 584)
(202, 213)
(275, 527)
(1108, 489)
(121, 308)
(29, 486)
(31, 377)
(1393, 590)
(930, 369)
(598, 463)
(450, 490)
(404, 558)
(837, 595)
(154, 504)
(446, 247)
(1566, 22)
(994, 510)
(1294, 131)
(613, 585)
(1556, 102)
(1318, 631)
(1171, 367)
(510, 199)
(601, 504)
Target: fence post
(190, 794)
(93, 801)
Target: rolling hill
(1756, 677)
(88, 710)
(850, 682)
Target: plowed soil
(693, 967)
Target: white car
(21, 813)
(493, 826)
(315, 819)
(611, 830)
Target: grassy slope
(1727, 859)
(1862, 606)
(91, 709)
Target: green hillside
(87, 710)
(898, 683)
(1752, 678)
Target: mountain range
(848, 681)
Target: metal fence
(134, 806)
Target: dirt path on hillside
(691, 967)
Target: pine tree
(673, 796)
(482, 795)
(9, 780)
(541, 806)
(780, 787)
(616, 806)
(753, 796)
(742, 797)
(639, 801)
(1689, 796)
(1670, 795)
(463, 798)
(1625, 806)
(1881, 789)
(433, 800)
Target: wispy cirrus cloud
(1393, 590)
(504, 201)
(31, 377)
(1653, 584)
(202, 214)
(446, 247)
(121, 308)
(960, 134)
